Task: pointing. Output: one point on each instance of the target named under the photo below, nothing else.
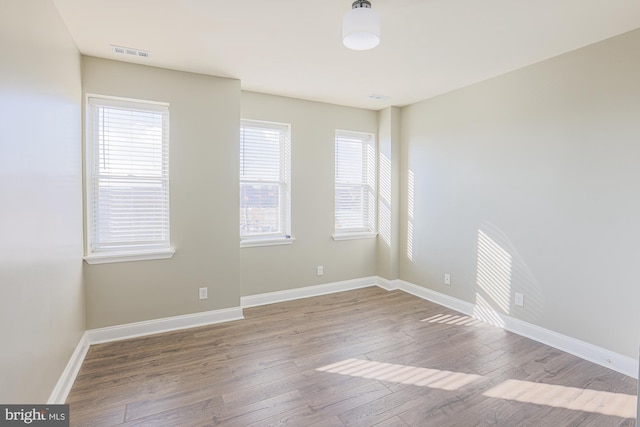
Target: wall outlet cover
(519, 299)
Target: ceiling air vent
(129, 51)
(379, 97)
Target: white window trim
(254, 243)
(106, 257)
(113, 257)
(354, 236)
(275, 239)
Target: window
(127, 180)
(355, 185)
(265, 183)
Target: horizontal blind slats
(131, 175)
(264, 179)
(355, 181)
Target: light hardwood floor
(359, 358)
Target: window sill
(354, 236)
(266, 242)
(107, 258)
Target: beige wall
(313, 125)
(388, 264)
(204, 132)
(529, 183)
(41, 292)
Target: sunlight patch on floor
(402, 374)
(451, 319)
(601, 402)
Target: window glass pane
(260, 208)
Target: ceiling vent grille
(129, 51)
(379, 97)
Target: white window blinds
(128, 176)
(355, 183)
(265, 175)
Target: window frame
(283, 235)
(367, 185)
(121, 253)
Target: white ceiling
(294, 48)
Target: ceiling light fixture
(361, 26)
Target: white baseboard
(437, 297)
(388, 285)
(167, 324)
(584, 350)
(63, 386)
(609, 359)
(306, 292)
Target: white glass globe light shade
(361, 29)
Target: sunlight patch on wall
(402, 374)
(558, 396)
(384, 223)
(384, 205)
(494, 272)
(410, 206)
(522, 279)
(486, 313)
(385, 178)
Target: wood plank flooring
(359, 358)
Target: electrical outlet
(447, 279)
(320, 270)
(519, 299)
(203, 293)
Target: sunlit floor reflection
(450, 319)
(557, 396)
(601, 402)
(403, 374)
